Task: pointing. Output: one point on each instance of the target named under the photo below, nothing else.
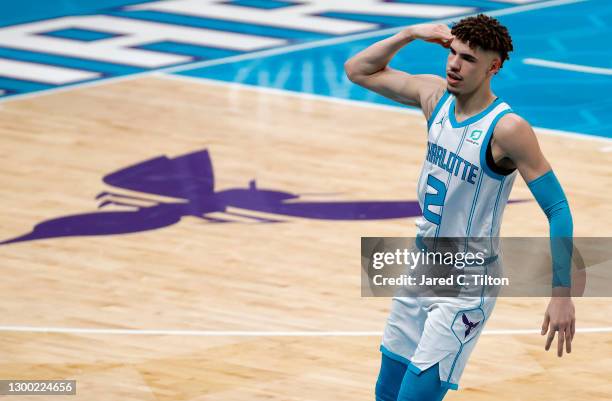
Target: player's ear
(495, 66)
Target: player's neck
(469, 105)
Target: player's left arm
(516, 143)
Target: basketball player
(476, 145)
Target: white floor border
(360, 103)
(247, 333)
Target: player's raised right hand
(434, 33)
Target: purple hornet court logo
(468, 325)
(190, 178)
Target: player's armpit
(429, 100)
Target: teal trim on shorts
(449, 385)
(394, 356)
(414, 369)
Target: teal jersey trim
(437, 109)
(472, 210)
(499, 192)
(483, 148)
(471, 120)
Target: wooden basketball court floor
(250, 311)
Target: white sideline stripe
(575, 135)
(277, 91)
(567, 66)
(47, 74)
(237, 333)
(402, 109)
(282, 50)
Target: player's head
(479, 48)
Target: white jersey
(460, 193)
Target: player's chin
(452, 89)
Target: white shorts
(423, 331)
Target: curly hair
(484, 32)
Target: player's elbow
(560, 208)
(560, 216)
(352, 72)
(359, 71)
(548, 193)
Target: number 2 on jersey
(436, 199)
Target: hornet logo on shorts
(468, 325)
(189, 179)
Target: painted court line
(351, 102)
(567, 66)
(286, 92)
(238, 333)
(280, 50)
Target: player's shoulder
(511, 122)
(512, 131)
(433, 79)
(512, 126)
(431, 86)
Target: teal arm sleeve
(548, 193)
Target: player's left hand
(560, 317)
